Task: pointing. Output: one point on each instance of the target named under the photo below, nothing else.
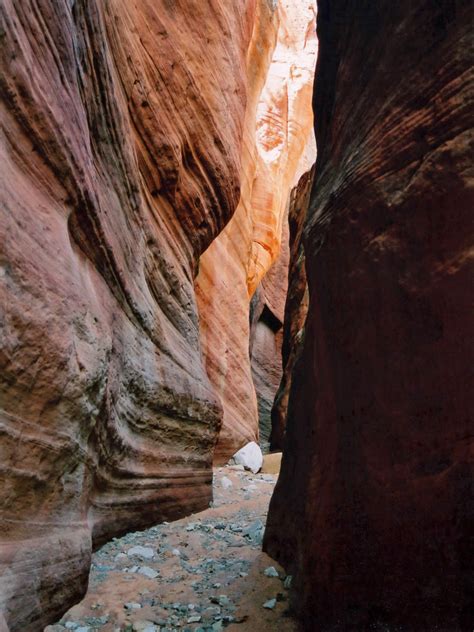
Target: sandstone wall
(267, 309)
(296, 308)
(122, 126)
(371, 506)
(278, 141)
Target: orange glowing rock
(278, 147)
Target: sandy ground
(203, 573)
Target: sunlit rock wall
(122, 126)
(278, 140)
(372, 508)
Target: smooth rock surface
(295, 310)
(267, 309)
(271, 463)
(122, 125)
(278, 147)
(372, 504)
(250, 456)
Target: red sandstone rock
(120, 161)
(372, 502)
(266, 334)
(278, 144)
(296, 308)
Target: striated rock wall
(278, 141)
(122, 126)
(267, 309)
(372, 503)
(296, 308)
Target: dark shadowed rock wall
(267, 309)
(296, 307)
(372, 503)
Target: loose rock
(250, 456)
(147, 572)
(141, 551)
(226, 483)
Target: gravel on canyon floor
(204, 573)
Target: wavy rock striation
(278, 145)
(122, 126)
(371, 506)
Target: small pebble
(132, 605)
(271, 571)
(120, 556)
(145, 626)
(270, 604)
(141, 551)
(226, 482)
(147, 572)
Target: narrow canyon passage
(204, 572)
(226, 223)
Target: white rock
(145, 626)
(226, 482)
(250, 456)
(270, 604)
(133, 605)
(131, 569)
(271, 571)
(120, 556)
(145, 552)
(176, 552)
(148, 572)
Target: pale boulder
(250, 456)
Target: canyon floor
(206, 572)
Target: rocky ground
(203, 573)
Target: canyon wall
(295, 310)
(122, 127)
(267, 309)
(278, 145)
(370, 511)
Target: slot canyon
(229, 230)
